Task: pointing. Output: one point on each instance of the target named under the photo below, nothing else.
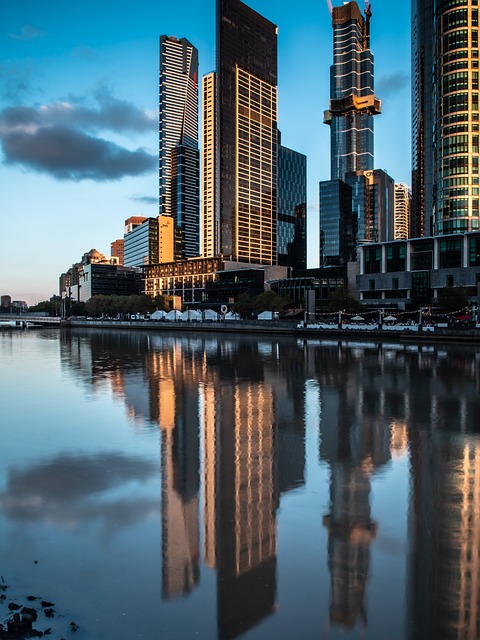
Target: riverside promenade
(410, 333)
(404, 333)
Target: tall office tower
(403, 201)
(421, 220)
(352, 107)
(445, 90)
(209, 168)
(245, 117)
(291, 203)
(352, 99)
(179, 158)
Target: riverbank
(288, 328)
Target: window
(396, 257)
(373, 256)
(449, 281)
(450, 253)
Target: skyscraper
(291, 215)
(352, 99)
(349, 209)
(421, 220)
(242, 108)
(445, 101)
(403, 202)
(179, 171)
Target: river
(160, 485)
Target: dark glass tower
(352, 100)
(292, 198)
(246, 140)
(421, 221)
(179, 159)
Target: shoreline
(466, 336)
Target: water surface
(205, 486)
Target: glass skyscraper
(445, 101)
(352, 100)
(292, 199)
(179, 158)
(240, 138)
(345, 199)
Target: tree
(342, 300)
(269, 301)
(52, 307)
(243, 306)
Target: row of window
(450, 256)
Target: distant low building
(95, 274)
(117, 249)
(208, 280)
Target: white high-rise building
(179, 169)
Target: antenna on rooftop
(368, 15)
(330, 6)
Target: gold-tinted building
(240, 139)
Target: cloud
(390, 84)
(106, 113)
(57, 138)
(69, 154)
(138, 197)
(70, 491)
(15, 80)
(27, 33)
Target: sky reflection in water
(160, 485)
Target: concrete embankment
(286, 328)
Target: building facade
(352, 99)
(403, 202)
(351, 205)
(445, 104)
(210, 230)
(117, 249)
(409, 273)
(243, 111)
(291, 203)
(421, 218)
(179, 157)
(141, 245)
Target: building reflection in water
(231, 415)
(355, 442)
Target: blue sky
(78, 117)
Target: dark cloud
(390, 84)
(72, 490)
(69, 154)
(57, 138)
(27, 33)
(138, 197)
(106, 113)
